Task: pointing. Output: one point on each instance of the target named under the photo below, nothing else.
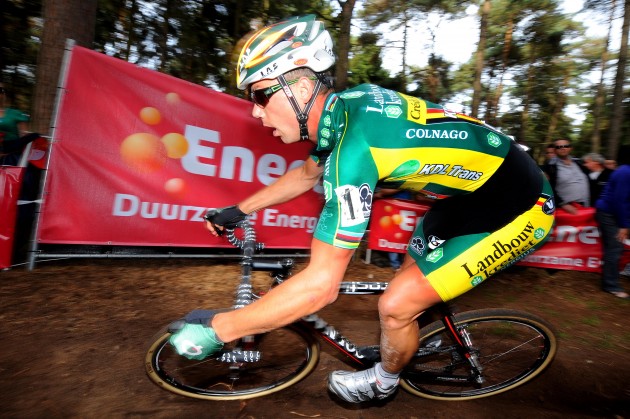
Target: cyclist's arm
(304, 293)
(290, 185)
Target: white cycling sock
(384, 378)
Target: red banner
(573, 244)
(10, 181)
(392, 223)
(139, 156)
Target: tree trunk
(63, 19)
(479, 57)
(600, 96)
(404, 73)
(163, 40)
(343, 45)
(557, 109)
(130, 27)
(493, 108)
(531, 71)
(617, 112)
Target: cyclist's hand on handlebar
(223, 217)
(193, 337)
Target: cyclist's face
(277, 113)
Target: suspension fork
(462, 339)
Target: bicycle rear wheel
(512, 348)
(287, 356)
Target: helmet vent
(315, 30)
(279, 46)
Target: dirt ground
(74, 334)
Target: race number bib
(350, 204)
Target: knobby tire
(512, 347)
(289, 354)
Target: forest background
(532, 64)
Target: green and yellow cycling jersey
(369, 136)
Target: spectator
(13, 139)
(598, 174)
(550, 152)
(613, 219)
(568, 178)
(610, 164)
(12, 131)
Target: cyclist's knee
(396, 311)
(407, 296)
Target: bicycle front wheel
(287, 356)
(512, 348)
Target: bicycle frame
(360, 356)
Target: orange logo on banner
(144, 152)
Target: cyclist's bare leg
(407, 296)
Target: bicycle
(462, 356)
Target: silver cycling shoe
(357, 387)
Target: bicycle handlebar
(248, 244)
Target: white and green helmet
(282, 47)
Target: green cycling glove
(196, 341)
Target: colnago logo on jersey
(436, 134)
(505, 253)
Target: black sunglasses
(563, 146)
(261, 96)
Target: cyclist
(492, 204)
